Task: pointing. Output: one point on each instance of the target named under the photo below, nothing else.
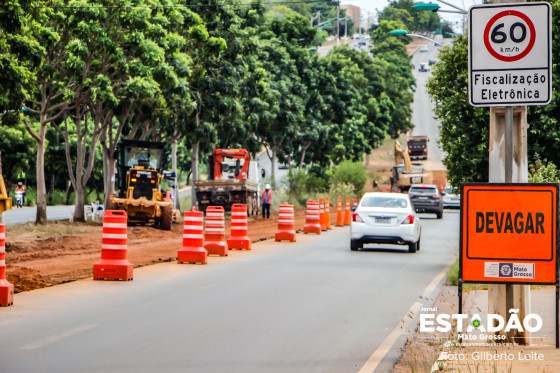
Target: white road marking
(57, 337)
(378, 355)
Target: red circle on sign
(531, 40)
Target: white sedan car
(386, 218)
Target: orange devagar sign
(508, 233)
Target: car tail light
(410, 195)
(437, 196)
(408, 220)
(133, 180)
(357, 218)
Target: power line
(153, 6)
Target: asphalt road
(312, 306)
(424, 120)
(27, 214)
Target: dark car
(432, 61)
(426, 198)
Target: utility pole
(346, 28)
(508, 163)
(338, 24)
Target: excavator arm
(219, 156)
(402, 155)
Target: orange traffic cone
(312, 218)
(193, 250)
(286, 228)
(347, 211)
(355, 201)
(6, 289)
(239, 238)
(322, 215)
(113, 264)
(327, 213)
(215, 231)
(339, 215)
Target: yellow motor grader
(139, 174)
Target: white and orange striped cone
(286, 224)
(339, 214)
(347, 211)
(113, 264)
(322, 215)
(355, 201)
(215, 231)
(6, 289)
(239, 238)
(312, 218)
(327, 213)
(193, 250)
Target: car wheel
(355, 245)
(418, 244)
(439, 214)
(412, 247)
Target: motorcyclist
(21, 188)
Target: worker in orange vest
(266, 201)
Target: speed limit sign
(510, 55)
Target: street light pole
(338, 24)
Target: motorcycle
(19, 199)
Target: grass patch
(453, 279)
(48, 230)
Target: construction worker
(266, 201)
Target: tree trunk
(41, 217)
(273, 167)
(175, 183)
(194, 168)
(302, 159)
(80, 201)
(108, 174)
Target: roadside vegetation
(78, 76)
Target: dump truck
(417, 147)
(140, 170)
(232, 178)
(403, 175)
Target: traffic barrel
(327, 213)
(193, 250)
(339, 214)
(312, 218)
(347, 211)
(286, 224)
(239, 238)
(322, 215)
(113, 264)
(6, 289)
(215, 231)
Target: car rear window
(387, 202)
(426, 190)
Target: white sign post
(510, 54)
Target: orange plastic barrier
(312, 218)
(113, 264)
(215, 231)
(193, 250)
(327, 213)
(339, 215)
(286, 224)
(322, 215)
(6, 289)
(347, 211)
(239, 238)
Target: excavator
(403, 175)
(232, 178)
(5, 201)
(140, 172)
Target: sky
(374, 5)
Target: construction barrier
(215, 231)
(239, 238)
(339, 214)
(312, 218)
(193, 250)
(322, 215)
(286, 224)
(6, 289)
(347, 211)
(327, 213)
(113, 264)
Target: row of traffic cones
(318, 215)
